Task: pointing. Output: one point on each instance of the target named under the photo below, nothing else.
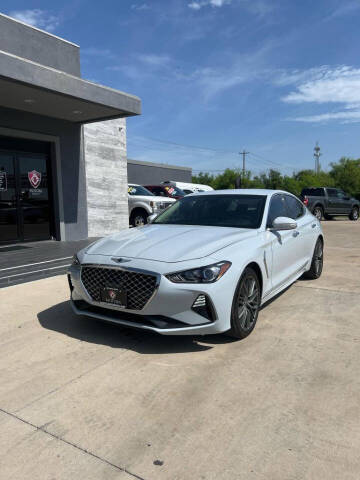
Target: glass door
(34, 211)
(24, 197)
(8, 199)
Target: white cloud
(98, 52)
(346, 8)
(38, 18)
(155, 60)
(145, 66)
(198, 4)
(344, 117)
(328, 85)
(141, 6)
(325, 85)
(257, 7)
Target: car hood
(169, 243)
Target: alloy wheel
(139, 221)
(318, 258)
(318, 213)
(248, 302)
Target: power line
(204, 149)
(272, 162)
(183, 145)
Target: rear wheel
(317, 261)
(354, 214)
(318, 212)
(246, 304)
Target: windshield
(174, 191)
(239, 211)
(139, 190)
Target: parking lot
(84, 400)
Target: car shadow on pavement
(60, 318)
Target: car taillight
(306, 201)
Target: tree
(346, 175)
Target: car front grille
(139, 286)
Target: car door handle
(296, 233)
(313, 225)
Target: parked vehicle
(188, 188)
(170, 191)
(204, 265)
(326, 202)
(142, 204)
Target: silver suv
(143, 203)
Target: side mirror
(283, 223)
(152, 217)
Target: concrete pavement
(81, 399)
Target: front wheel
(354, 214)
(246, 304)
(138, 218)
(317, 261)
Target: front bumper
(169, 311)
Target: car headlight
(208, 274)
(154, 206)
(75, 260)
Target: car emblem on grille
(120, 260)
(112, 294)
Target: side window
(296, 209)
(332, 192)
(157, 191)
(277, 209)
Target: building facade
(63, 168)
(148, 173)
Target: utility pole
(244, 153)
(317, 155)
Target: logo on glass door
(34, 178)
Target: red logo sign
(112, 294)
(34, 178)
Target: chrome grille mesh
(139, 286)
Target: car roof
(242, 191)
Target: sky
(215, 77)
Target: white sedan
(205, 265)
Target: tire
(316, 262)
(354, 214)
(138, 218)
(318, 212)
(328, 217)
(246, 304)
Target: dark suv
(328, 202)
(166, 191)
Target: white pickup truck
(142, 204)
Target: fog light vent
(200, 301)
(203, 307)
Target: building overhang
(31, 87)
